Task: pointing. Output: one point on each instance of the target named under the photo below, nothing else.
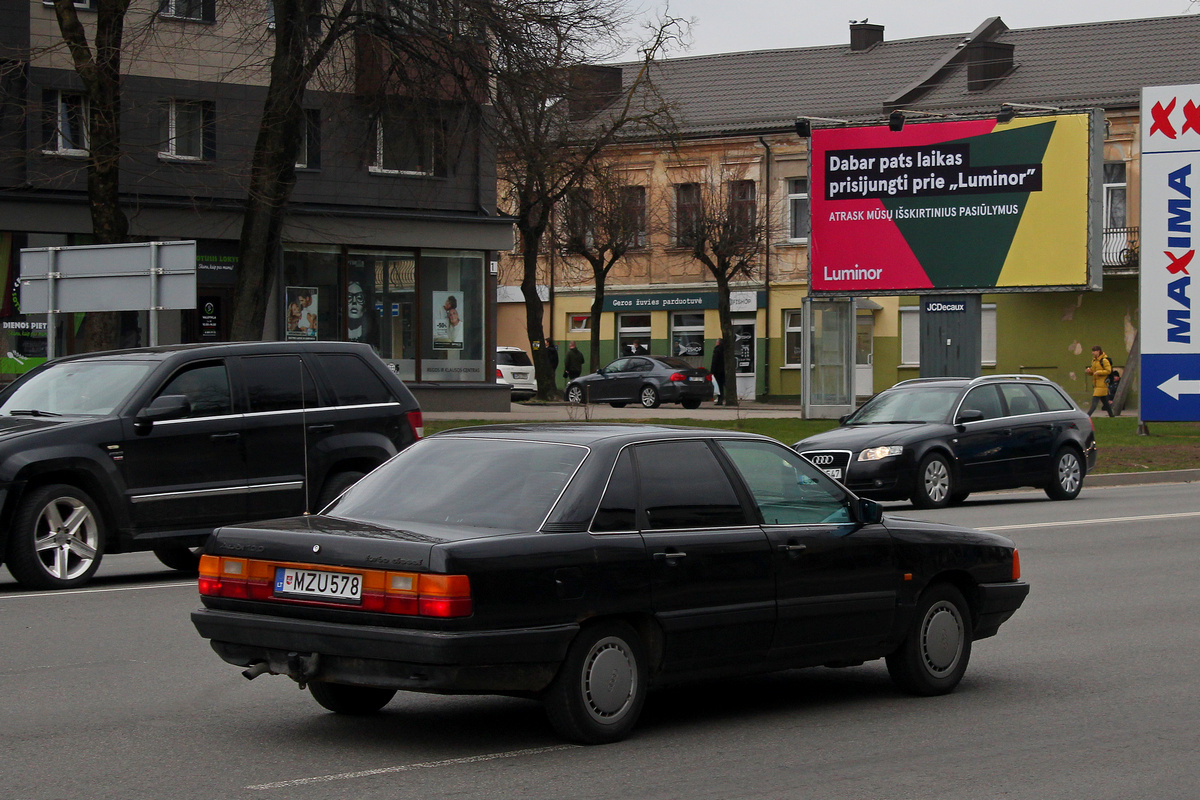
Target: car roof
(961, 382)
(592, 433)
(166, 351)
(508, 349)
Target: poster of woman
(301, 317)
(447, 321)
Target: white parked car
(514, 369)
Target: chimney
(864, 36)
(987, 63)
(593, 88)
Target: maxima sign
(1170, 385)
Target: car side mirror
(163, 407)
(969, 415)
(869, 512)
(600, 371)
(842, 419)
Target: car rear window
(354, 383)
(676, 363)
(513, 358)
(1051, 397)
(483, 483)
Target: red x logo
(1191, 112)
(1180, 264)
(1162, 119)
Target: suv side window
(273, 383)
(1051, 398)
(1019, 399)
(785, 486)
(354, 383)
(683, 486)
(205, 385)
(985, 399)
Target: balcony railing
(1120, 249)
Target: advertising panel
(971, 205)
(1170, 351)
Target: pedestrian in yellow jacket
(1100, 369)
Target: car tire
(57, 538)
(690, 403)
(934, 483)
(648, 397)
(1067, 481)
(334, 486)
(341, 698)
(618, 405)
(600, 688)
(575, 395)
(958, 498)
(934, 655)
(179, 557)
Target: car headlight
(876, 453)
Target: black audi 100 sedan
(586, 564)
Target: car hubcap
(937, 481)
(575, 395)
(66, 538)
(1068, 473)
(609, 680)
(648, 397)
(942, 638)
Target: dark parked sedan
(649, 380)
(936, 440)
(586, 564)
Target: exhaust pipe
(256, 669)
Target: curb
(1137, 478)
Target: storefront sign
(686, 301)
(1170, 360)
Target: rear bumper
(513, 660)
(998, 602)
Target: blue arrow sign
(1171, 387)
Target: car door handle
(1006, 432)
(224, 437)
(792, 548)
(670, 558)
(319, 428)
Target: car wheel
(57, 538)
(690, 403)
(934, 485)
(600, 688)
(341, 698)
(334, 486)
(649, 397)
(177, 556)
(1068, 475)
(575, 395)
(934, 655)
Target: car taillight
(499, 375)
(708, 378)
(677, 376)
(405, 593)
(1016, 572)
(417, 423)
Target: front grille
(832, 462)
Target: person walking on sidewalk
(717, 368)
(1100, 369)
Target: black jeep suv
(152, 449)
(936, 440)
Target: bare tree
(603, 219)
(719, 220)
(555, 113)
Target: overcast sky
(728, 26)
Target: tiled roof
(1101, 64)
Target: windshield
(484, 483)
(93, 388)
(913, 404)
(513, 358)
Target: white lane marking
(449, 762)
(1064, 523)
(66, 592)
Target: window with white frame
(308, 156)
(910, 335)
(1114, 194)
(187, 131)
(88, 4)
(203, 10)
(579, 323)
(793, 338)
(799, 221)
(633, 334)
(65, 127)
(408, 143)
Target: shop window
(799, 220)
(188, 130)
(689, 207)
(452, 302)
(687, 337)
(65, 130)
(633, 334)
(793, 338)
(381, 305)
(310, 307)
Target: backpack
(1112, 381)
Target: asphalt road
(1091, 691)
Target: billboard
(1170, 349)
(962, 206)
